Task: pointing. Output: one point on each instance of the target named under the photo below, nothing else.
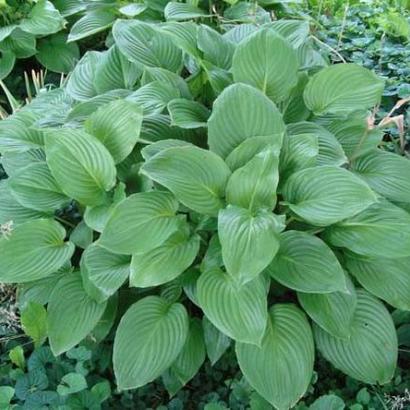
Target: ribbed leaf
(91, 23)
(20, 43)
(187, 114)
(71, 313)
(370, 354)
(387, 279)
(254, 185)
(249, 241)
(7, 60)
(305, 263)
(183, 35)
(197, 177)
(216, 342)
(34, 187)
(334, 311)
(80, 84)
(230, 122)
(381, 230)
(56, 55)
(103, 272)
(33, 250)
(117, 125)
(115, 71)
(154, 97)
(140, 223)
(153, 149)
(268, 62)
(386, 173)
(166, 262)
(325, 195)
(281, 369)
(81, 164)
(294, 31)
(182, 11)
(294, 108)
(141, 43)
(343, 88)
(149, 338)
(240, 312)
(43, 19)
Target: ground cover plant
(186, 188)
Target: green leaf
(281, 368)
(382, 229)
(6, 394)
(182, 11)
(187, 114)
(326, 195)
(34, 322)
(240, 312)
(92, 22)
(192, 355)
(82, 235)
(334, 311)
(140, 223)
(71, 383)
(388, 279)
(80, 84)
(33, 251)
(7, 60)
(328, 402)
(230, 123)
(216, 342)
(103, 272)
(254, 185)
(34, 187)
(81, 164)
(154, 97)
(16, 356)
(343, 88)
(141, 43)
(370, 354)
(305, 263)
(249, 241)
(294, 108)
(294, 31)
(386, 173)
(149, 338)
(43, 19)
(114, 71)
(20, 43)
(56, 55)
(117, 125)
(268, 62)
(166, 262)
(71, 313)
(197, 177)
(184, 35)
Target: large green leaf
(343, 88)
(334, 311)
(383, 229)
(71, 313)
(387, 279)
(140, 223)
(386, 173)
(280, 369)
(117, 125)
(216, 342)
(166, 262)
(197, 177)
(34, 187)
(140, 42)
(43, 19)
(370, 354)
(183, 35)
(20, 43)
(33, 250)
(149, 338)
(187, 114)
(294, 31)
(82, 166)
(182, 11)
(103, 272)
(268, 62)
(7, 60)
(240, 312)
(305, 263)
(249, 241)
(325, 195)
(231, 121)
(91, 23)
(254, 185)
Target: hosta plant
(195, 190)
